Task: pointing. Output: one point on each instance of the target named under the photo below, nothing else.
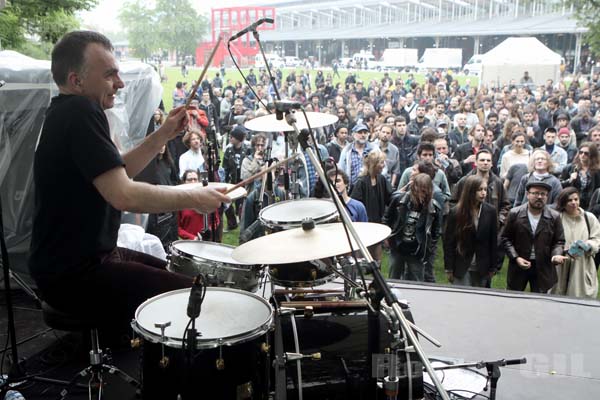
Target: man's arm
(127, 195)
(137, 158)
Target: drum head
(206, 250)
(228, 316)
(292, 212)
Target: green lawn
(174, 75)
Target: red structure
(227, 22)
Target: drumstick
(261, 173)
(206, 65)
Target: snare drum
(192, 257)
(290, 213)
(231, 357)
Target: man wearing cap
(564, 142)
(534, 240)
(235, 152)
(351, 159)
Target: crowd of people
(493, 172)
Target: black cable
(258, 99)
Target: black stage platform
(559, 336)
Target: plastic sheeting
(24, 97)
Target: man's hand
(209, 199)
(471, 159)
(176, 121)
(523, 263)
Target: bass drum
(193, 257)
(342, 369)
(231, 358)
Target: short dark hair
(68, 53)
(425, 146)
(563, 197)
(483, 151)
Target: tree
(181, 27)
(140, 22)
(587, 13)
(45, 21)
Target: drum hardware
(309, 311)
(220, 362)
(289, 357)
(164, 360)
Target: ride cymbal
(269, 123)
(298, 245)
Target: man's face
(478, 132)
(550, 105)
(385, 134)
(564, 139)
(194, 142)
(487, 104)
(410, 98)
(484, 162)
(315, 101)
(527, 117)
(441, 146)
(99, 78)
(341, 113)
(401, 128)
(595, 136)
(238, 106)
(454, 103)
(498, 104)
(503, 114)
(439, 109)
(340, 185)
(420, 112)
(205, 97)
(461, 121)
(191, 177)
(488, 137)
(537, 197)
(492, 122)
(426, 155)
(550, 138)
(540, 162)
(342, 134)
(361, 136)
(386, 110)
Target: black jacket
(548, 240)
(483, 244)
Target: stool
(99, 362)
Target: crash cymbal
(298, 245)
(269, 123)
(234, 195)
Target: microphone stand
(213, 166)
(379, 287)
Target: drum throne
(99, 360)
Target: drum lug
(164, 360)
(220, 362)
(265, 347)
(135, 343)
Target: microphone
(196, 297)
(251, 28)
(251, 232)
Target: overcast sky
(104, 16)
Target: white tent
(511, 58)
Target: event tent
(26, 88)
(511, 58)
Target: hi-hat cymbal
(298, 245)
(269, 123)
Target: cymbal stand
(379, 287)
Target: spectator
(583, 173)
(471, 238)
(577, 276)
(540, 167)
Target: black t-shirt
(73, 225)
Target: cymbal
(298, 245)
(269, 123)
(234, 195)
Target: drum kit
(271, 319)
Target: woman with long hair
(416, 223)
(373, 190)
(583, 173)
(577, 276)
(471, 237)
(541, 169)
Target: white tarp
(511, 58)
(24, 97)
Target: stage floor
(558, 336)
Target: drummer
(82, 185)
